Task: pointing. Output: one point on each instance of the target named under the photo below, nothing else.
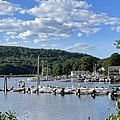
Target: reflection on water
(56, 107)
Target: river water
(56, 107)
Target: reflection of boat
(65, 80)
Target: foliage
(20, 60)
(116, 116)
(87, 63)
(106, 63)
(113, 60)
(117, 44)
(10, 115)
(57, 69)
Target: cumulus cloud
(80, 47)
(54, 19)
(117, 28)
(48, 46)
(8, 8)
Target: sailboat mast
(47, 70)
(42, 69)
(38, 72)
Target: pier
(67, 90)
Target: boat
(32, 79)
(39, 78)
(35, 79)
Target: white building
(114, 72)
(79, 73)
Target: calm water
(51, 107)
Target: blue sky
(90, 26)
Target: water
(51, 107)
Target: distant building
(114, 72)
(79, 73)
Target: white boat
(40, 78)
(32, 79)
(35, 79)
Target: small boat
(18, 89)
(32, 79)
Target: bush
(10, 115)
(117, 116)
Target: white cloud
(9, 43)
(117, 28)
(27, 34)
(43, 45)
(79, 35)
(7, 8)
(55, 19)
(80, 47)
(50, 46)
(55, 45)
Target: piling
(5, 84)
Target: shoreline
(17, 75)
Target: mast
(5, 84)
(42, 69)
(47, 71)
(95, 69)
(38, 72)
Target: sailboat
(36, 79)
(40, 77)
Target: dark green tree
(106, 63)
(57, 69)
(86, 63)
(117, 44)
(67, 67)
(115, 59)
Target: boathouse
(114, 73)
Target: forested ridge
(21, 60)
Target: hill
(20, 60)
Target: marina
(83, 106)
(77, 90)
(59, 60)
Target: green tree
(10, 115)
(67, 67)
(115, 59)
(117, 44)
(57, 69)
(20, 60)
(106, 63)
(86, 63)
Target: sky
(84, 26)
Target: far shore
(17, 75)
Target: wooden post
(5, 84)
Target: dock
(63, 91)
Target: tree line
(20, 60)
